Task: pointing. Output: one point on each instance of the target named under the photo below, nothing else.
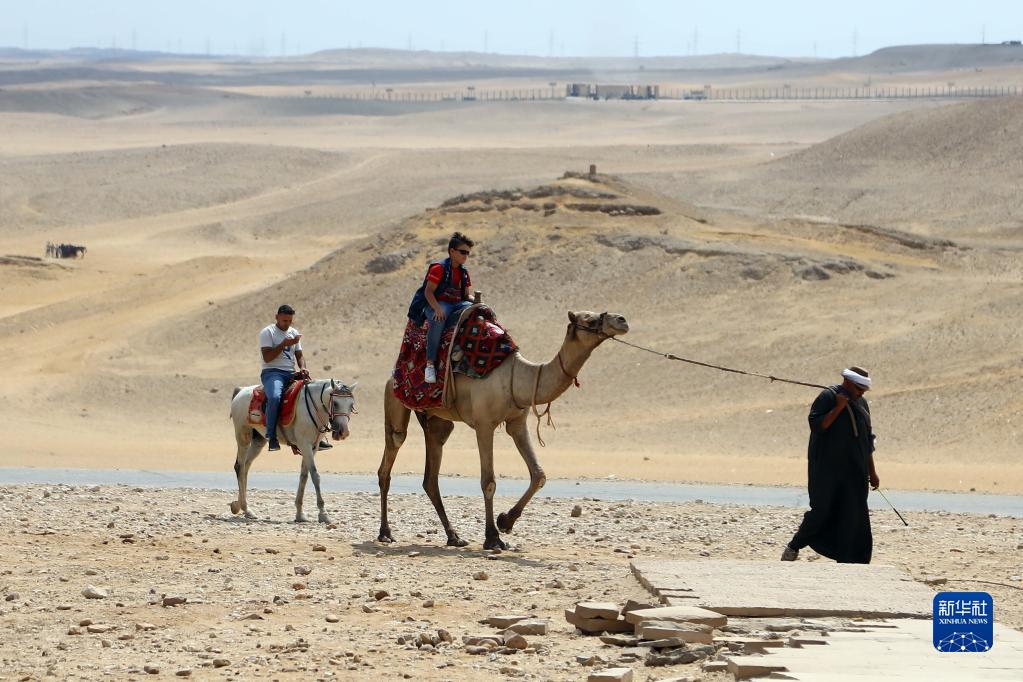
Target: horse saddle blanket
(289, 402)
(479, 346)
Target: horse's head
(340, 406)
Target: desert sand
(791, 238)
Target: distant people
(841, 463)
(446, 291)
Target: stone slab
(904, 652)
(678, 614)
(597, 609)
(687, 632)
(776, 588)
(597, 625)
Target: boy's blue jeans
(452, 312)
(273, 383)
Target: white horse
(323, 405)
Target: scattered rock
(333, 618)
(611, 675)
(221, 662)
(577, 511)
(935, 580)
(13, 596)
(92, 592)
(514, 640)
(532, 626)
(480, 575)
(319, 548)
(174, 601)
(504, 622)
(184, 672)
(151, 670)
(303, 570)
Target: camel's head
(598, 326)
(341, 407)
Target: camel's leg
(519, 432)
(485, 442)
(396, 417)
(437, 433)
(241, 470)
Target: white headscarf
(857, 378)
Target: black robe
(838, 523)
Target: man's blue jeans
(452, 312)
(273, 383)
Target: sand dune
(950, 171)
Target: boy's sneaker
(789, 554)
(274, 445)
(431, 374)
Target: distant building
(1013, 43)
(597, 91)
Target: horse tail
(237, 390)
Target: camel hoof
(495, 543)
(250, 515)
(505, 522)
(323, 518)
(385, 536)
(236, 508)
(301, 518)
(455, 541)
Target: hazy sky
(538, 27)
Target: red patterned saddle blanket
(480, 346)
(257, 405)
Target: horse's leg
(519, 432)
(307, 457)
(242, 440)
(251, 452)
(437, 432)
(396, 418)
(315, 475)
(485, 442)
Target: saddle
(289, 401)
(474, 347)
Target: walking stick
(892, 506)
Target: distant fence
(716, 94)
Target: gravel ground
(271, 598)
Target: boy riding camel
(446, 291)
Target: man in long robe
(841, 463)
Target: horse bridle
(341, 391)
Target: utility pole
(209, 49)
(696, 41)
(134, 40)
(983, 34)
(486, 42)
(550, 44)
(815, 49)
(738, 41)
(24, 37)
(635, 46)
(284, 44)
(409, 42)
(855, 38)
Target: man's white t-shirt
(271, 337)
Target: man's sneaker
(431, 374)
(789, 554)
(324, 444)
(274, 445)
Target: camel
(506, 396)
(326, 405)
